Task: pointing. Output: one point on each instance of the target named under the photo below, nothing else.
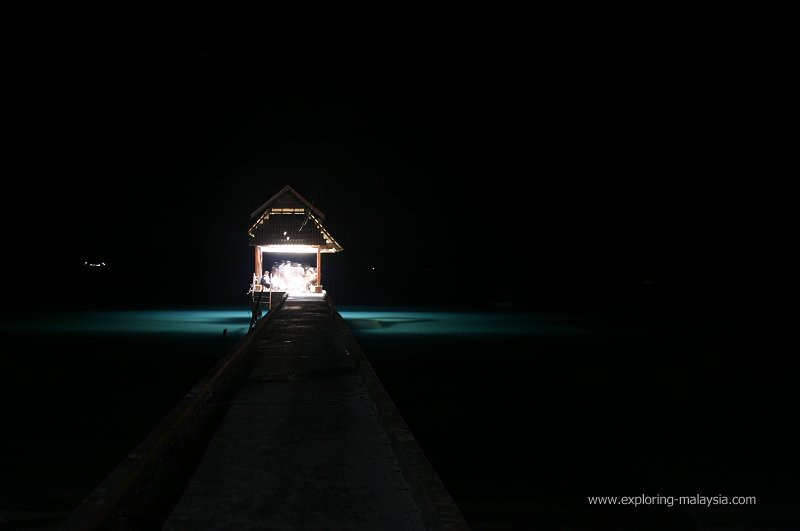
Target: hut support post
(319, 270)
(258, 262)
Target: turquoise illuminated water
(80, 389)
(522, 414)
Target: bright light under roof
(304, 249)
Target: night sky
(585, 156)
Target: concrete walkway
(312, 441)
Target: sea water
(80, 389)
(523, 415)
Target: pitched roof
(287, 197)
(288, 219)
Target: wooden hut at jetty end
(287, 225)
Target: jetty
(292, 429)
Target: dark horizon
(598, 157)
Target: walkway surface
(311, 441)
